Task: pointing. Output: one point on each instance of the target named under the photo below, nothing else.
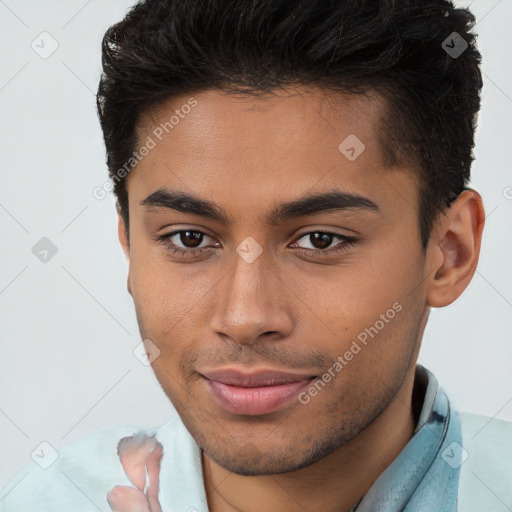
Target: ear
(454, 248)
(124, 240)
(122, 233)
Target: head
(292, 187)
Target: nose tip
(249, 306)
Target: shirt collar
(425, 474)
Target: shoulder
(486, 471)
(78, 479)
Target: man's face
(294, 293)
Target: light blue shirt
(448, 465)
(425, 474)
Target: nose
(252, 303)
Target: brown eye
(191, 239)
(322, 242)
(186, 242)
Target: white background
(68, 326)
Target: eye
(190, 242)
(186, 242)
(321, 242)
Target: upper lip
(256, 378)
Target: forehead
(291, 116)
(228, 146)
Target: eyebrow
(327, 202)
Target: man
(292, 184)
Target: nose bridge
(249, 304)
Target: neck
(333, 483)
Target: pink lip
(255, 393)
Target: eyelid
(177, 228)
(182, 227)
(331, 231)
(336, 230)
(346, 242)
(175, 232)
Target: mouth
(255, 393)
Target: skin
(290, 308)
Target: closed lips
(260, 378)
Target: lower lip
(256, 401)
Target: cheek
(171, 308)
(370, 308)
(164, 292)
(356, 293)
(371, 359)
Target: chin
(248, 460)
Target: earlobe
(455, 249)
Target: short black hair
(165, 48)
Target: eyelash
(346, 243)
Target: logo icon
(454, 45)
(351, 147)
(146, 352)
(454, 455)
(249, 249)
(44, 455)
(44, 250)
(44, 45)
